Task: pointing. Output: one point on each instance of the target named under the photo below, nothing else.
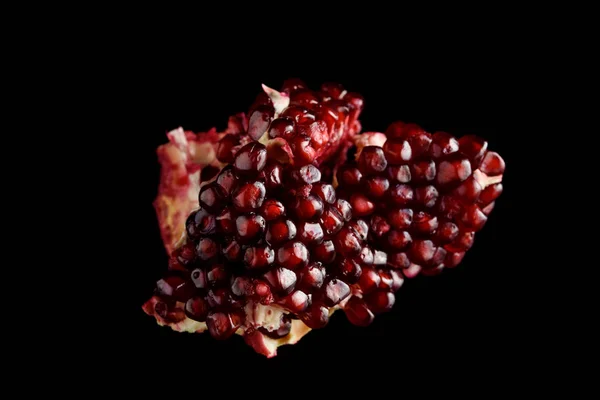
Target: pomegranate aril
(400, 129)
(361, 205)
(387, 280)
(303, 151)
(325, 252)
(258, 257)
(419, 140)
(426, 196)
(250, 160)
(242, 286)
(249, 196)
(308, 208)
(222, 325)
(259, 121)
(397, 280)
(307, 174)
(283, 330)
(490, 194)
(398, 239)
(424, 223)
(379, 258)
(316, 317)
(196, 308)
(272, 209)
(280, 231)
(463, 242)
(376, 186)
(347, 242)
(358, 313)
(225, 150)
(423, 251)
(442, 145)
(473, 218)
(446, 232)
(332, 90)
(292, 85)
(272, 175)
(217, 275)
(249, 227)
(169, 314)
(379, 226)
(401, 195)
(349, 270)
(453, 171)
(334, 291)
(423, 171)
(397, 151)
(366, 256)
(325, 191)
(207, 249)
(360, 227)
(400, 218)
(356, 104)
(348, 176)
(293, 255)
(221, 298)
(176, 287)
(227, 180)
(316, 131)
(492, 164)
(263, 99)
(469, 190)
(453, 258)
(263, 291)
(399, 173)
(232, 250)
(186, 254)
(296, 302)
(398, 261)
(344, 208)
(283, 128)
(311, 276)
(380, 301)
(310, 233)
(198, 277)
(449, 207)
(473, 148)
(488, 209)
(225, 222)
(299, 114)
(282, 280)
(433, 271)
(199, 223)
(372, 160)
(369, 280)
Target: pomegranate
(270, 229)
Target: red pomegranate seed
(186, 254)
(225, 150)
(369, 280)
(225, 222)
(308, 208)
(272, 175)
(325, 191)
(380, 301)
(473, 218)
(361, 205)
(310, 233)
(379, 257)
(293, 255)
(376, 186)
(303, 150)
(316, 131)
(292, 85)
(272, 209)
(311, 276)
(379, 226)
(397, 280)
(397, 151)
(207, 249)
(424, 223)
(249, 227)
(490, 193)
(221, 298)
(232, 250)
(446, 232)
(492, 164)
(299, 114)
(198, 277)
(242, 286)
(325, 252)
(283, 128)
(449, 207)
(399, 239)
(259, 121)
(296, 302)
(488, 209)
(366, 256)
(348, 176)
(473, 148)
(335, 291)
(200, 223)
(420, 141)
(358, 313)
(222, 325)
(453, 258)
(307, 174)
(399, 261)
(249, 196)
(282, 280)
(401, 195)
(442, 145)
(426, 196)
(349, 270)
(196, 308)
(280, 231)
(423, 171)
(176, 287)
(422, 251)
(250, 160)
(347, 242)
(433, 271)
(333, 90)
(399, 173)
(344, 208)
(469, 190)
(258, 257)
(454, 171)
(387, 280)
(403, 130)
(463, 242)
(372, 160)
(400, 218)
(317, 316)
(263, 99)
(360, 227)
(216, 275)
(227, 180)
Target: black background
(468, 321)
